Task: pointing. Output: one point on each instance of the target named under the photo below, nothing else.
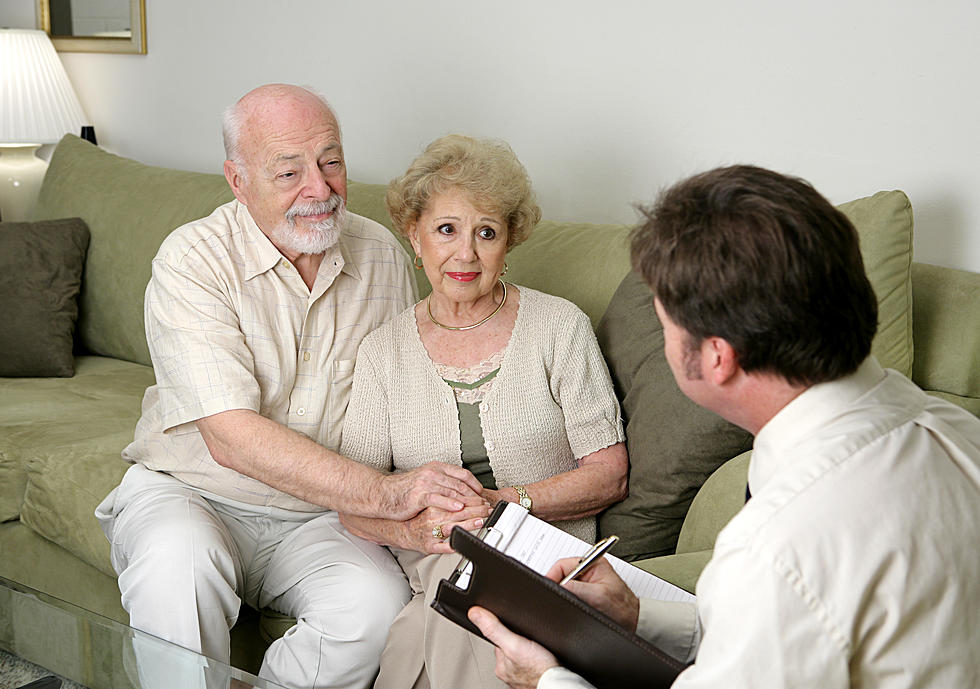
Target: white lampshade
(37, 102)
(37, 106)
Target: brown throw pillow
(673, 444)
(40, 276)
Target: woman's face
(462, 248)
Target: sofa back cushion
(884, 225)
(129, 209)
(582, 262)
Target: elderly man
(253, 318)
(854, 563)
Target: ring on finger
(437, 532)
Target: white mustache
(314, 207)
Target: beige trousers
(186, 562)
(424, 649)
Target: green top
(474, 451)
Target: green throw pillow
(40, 277)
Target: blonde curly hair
(486, 170)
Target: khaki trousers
(187, 561)
(424, 649)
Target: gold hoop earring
(418, 263)
(506, 268)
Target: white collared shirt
(231, 325)
(855, 563)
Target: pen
(590, 558)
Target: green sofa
(60, 437)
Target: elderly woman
(507, 381)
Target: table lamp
(37, 106)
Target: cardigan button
(490, 445)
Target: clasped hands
(433, 499)
(520, 661)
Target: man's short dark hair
(765, 262)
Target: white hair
(231, 130)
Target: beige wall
(604, 102)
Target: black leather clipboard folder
(583, 639)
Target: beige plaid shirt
(231, 325)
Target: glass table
(100, 653)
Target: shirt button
(306, 356)
(301, 411)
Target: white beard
(317, 238)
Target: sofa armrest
(718, 500)
(681, 569)
(946, 333)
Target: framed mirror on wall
(94, 26)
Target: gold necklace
(503, 300)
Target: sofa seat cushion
(66, 482)
(40, 276)
(47, 421)
(44, 566)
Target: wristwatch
(523, 499)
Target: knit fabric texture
(551, 403)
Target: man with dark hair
(854, 562)
(734, 253)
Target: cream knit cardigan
(551, 403)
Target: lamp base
(21, 174)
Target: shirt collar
(809, 412)
(261, 254)
(349, 265)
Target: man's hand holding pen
(600, 587)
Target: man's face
(682, 353)
(295, 180)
